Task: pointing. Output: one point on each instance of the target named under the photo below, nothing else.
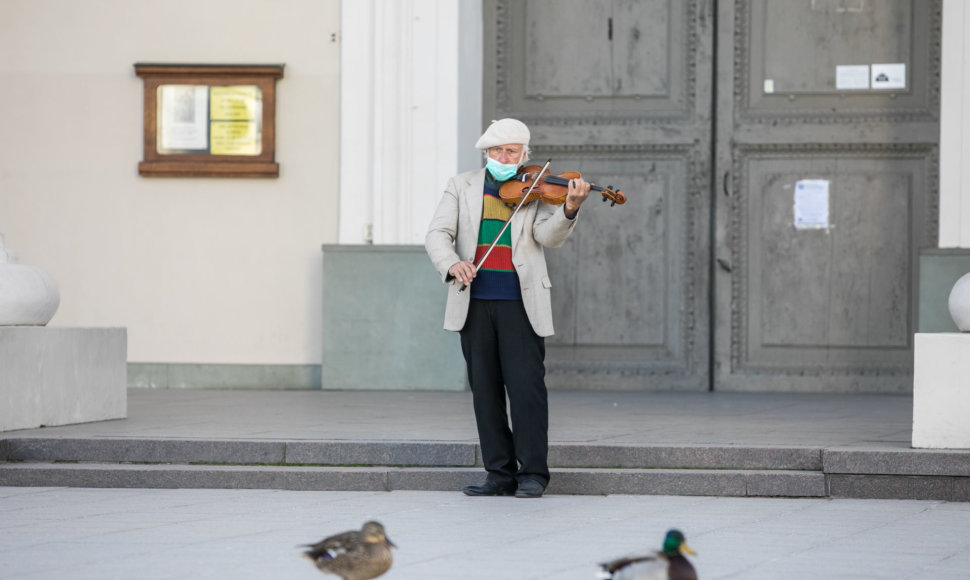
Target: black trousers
(504, 356)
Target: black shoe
(490, 488)
(530, 488)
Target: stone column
(406, 118)
(941, 373)
(955, 127)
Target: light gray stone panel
(939, 269)
(58, 376)
(383, 313)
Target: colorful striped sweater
(496, 278)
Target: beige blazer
(453, 236)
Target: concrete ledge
(58, 376)
(381, 453)
(144, 450)
(900, 487)
(736, 483)
(901, 462)
(241, 452)
(573, 482)
(193, 476)
(417, 453)
(695, 457)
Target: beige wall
(198, 270)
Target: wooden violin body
(551, 189)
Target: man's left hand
(575, 196)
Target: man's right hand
(463, 271)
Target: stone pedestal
(58, 376)
(941, 391)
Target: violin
(551, 189)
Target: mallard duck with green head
(354, 555)
(667, 564)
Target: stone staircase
(447, 466)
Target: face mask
(501, 171)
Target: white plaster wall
(955, 127)
(198, 270)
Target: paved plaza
(239, 534)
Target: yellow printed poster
(235, 103)
(235, 138)
(235, 116)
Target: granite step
(891, 473)
(580, 481)
(400, 453)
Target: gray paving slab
(581, 418)
(157, 534)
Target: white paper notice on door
(811, 204)
(852, 77)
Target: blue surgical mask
(501, 171)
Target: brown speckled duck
(353, 555)
(668, 564)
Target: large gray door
(840, 95)
(624, 91)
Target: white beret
(504, 132)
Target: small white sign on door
(889, 76)
(811, 204)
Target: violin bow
(508, 221)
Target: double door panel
(708, 115)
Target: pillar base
(58, 376)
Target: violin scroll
(613, 195)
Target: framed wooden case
(205, 120)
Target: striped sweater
(496, 278)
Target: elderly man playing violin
(505, 313)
